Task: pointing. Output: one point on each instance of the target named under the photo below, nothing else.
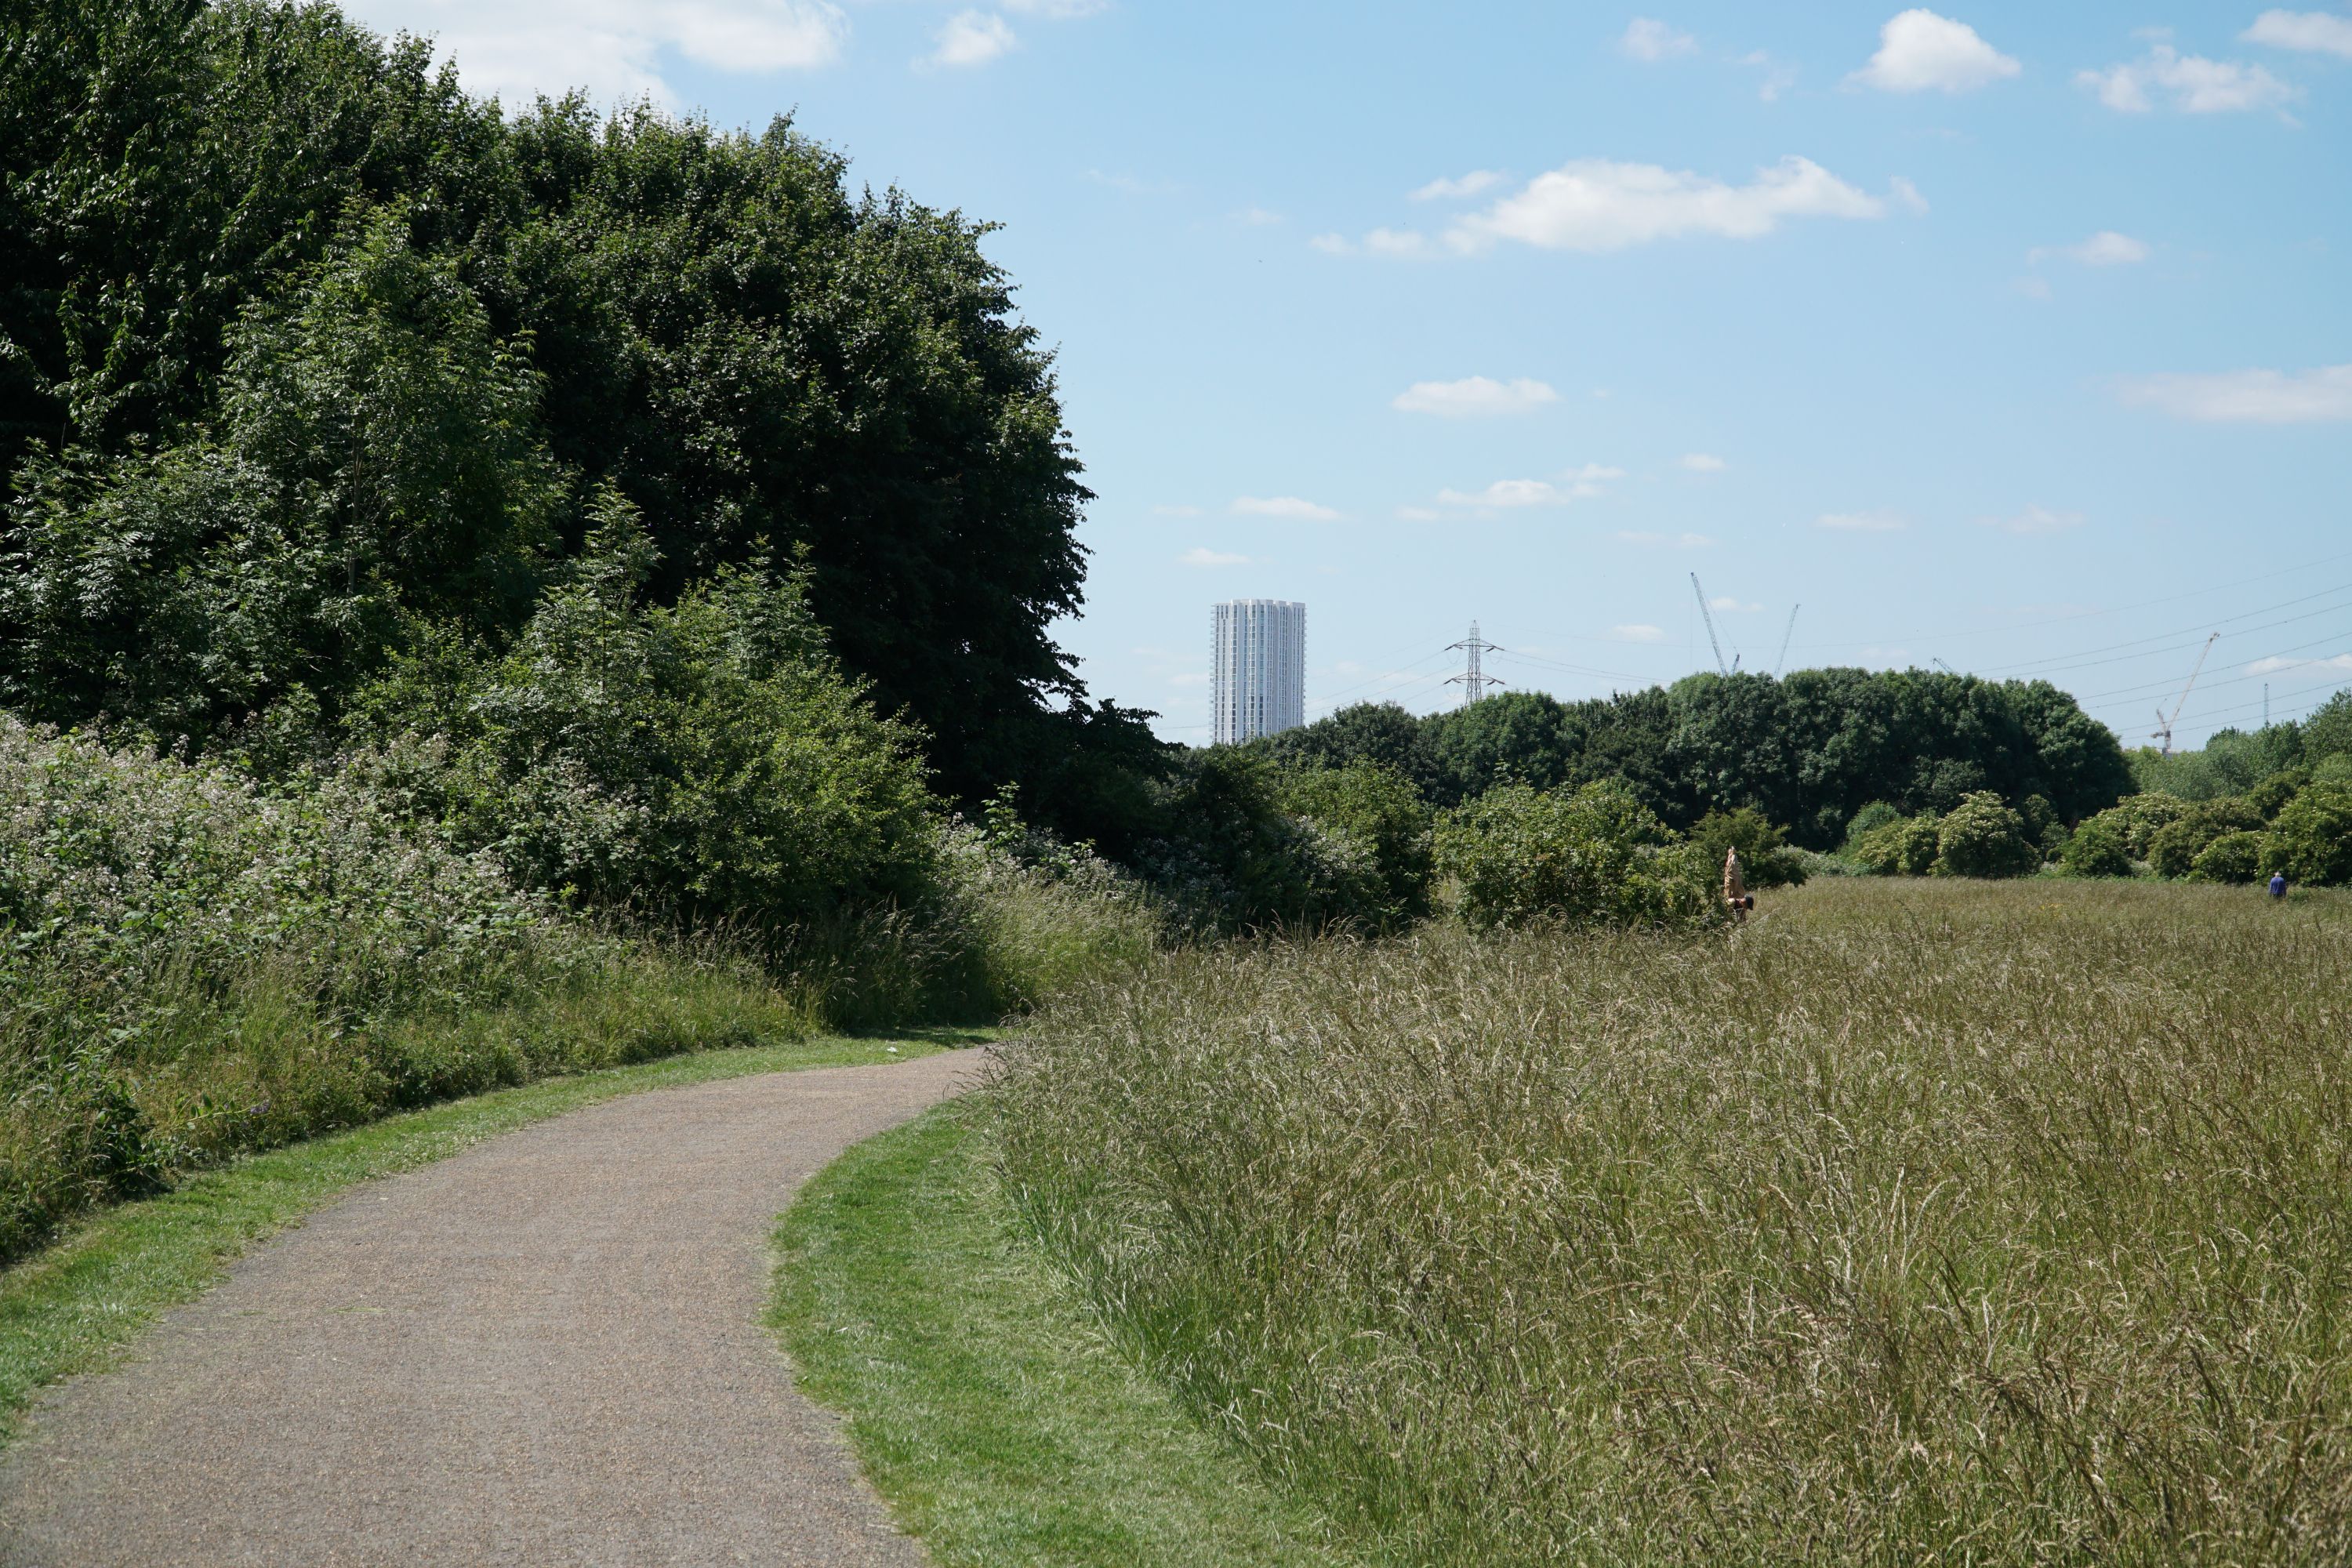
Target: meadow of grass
(1918, 1222)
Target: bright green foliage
(372, 461)
(1925, 1223)
(1982, 837)
(1906, 847)
(2311, 839)
(1595, 856)
(1765, 859)
(2232, 858)
(703, 762)
(1876, 815)
(2269, 796)
(2098, 848)
(2175, 847)
(2327, 732)
(2231, 763)
(1382, 819)
(2136, 820)
(191, 967)
(1227, 853)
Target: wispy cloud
(1919, 51)
(1476, 397)
(2105, 249)
(2247, 396)
(1702, 462)
(1863, 522)
(2275, 665)
(1647, 38)
(1638, 632)
(2312, 32)
(1596, 205)
(615, 49)
(1729, 602)
(2036, 520)
(971, 38)
(1469, 184)
(1290, 508)
(1577, 484)
(1257, 218)
(1203, 556)
(2188, 83)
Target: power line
(1474, 680)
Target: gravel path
(544, 1350)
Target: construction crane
(1713, 641)
(1946, 668)
(2164, 721)
(1787, 633)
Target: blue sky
(2015, 336)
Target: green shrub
(2311, 839)
(2097, 848)
(1377, 812)
(2269, 796)
(1869, 819)
(1593, 857)
(2139, 818)
(2232, 858)
(2174, 848)
(703, 764)
(191, 966)
(1765, 859)
(1906, 847)
(1983, 838)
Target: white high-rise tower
(1261, 669)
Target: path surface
(544, 1350)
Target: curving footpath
(545, 1351)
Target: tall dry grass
(1919, 1222)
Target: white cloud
(1679, 541)
(1919, 51)
(971, 38)
(1729, 602)
(612, 50)
(2312, 32)
(1333, 245)
(1256, 216)
(1861, 522)
(1056, 10)
(2273, 665)
(1474, 398)
(1288, 507)
(2105, 249)
(1575, 485)
(1204, 557)
(1396, 242)
(2193, 84)
(2036, 519)
(1702, 462)
(1417, 515)
(1778, 78)
(1594, 205)
(1469, 184)
(1638, 634)
(1647, 38)
(1907, 195)
(2248, 397)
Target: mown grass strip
(74, 1307)
(985, 1402)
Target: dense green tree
(1381, 733)
(1593, 855)
(1981, 837)
(1765, 859)
(2311, 839)
(1516, 737)
(1377, 814)
(2327, 732)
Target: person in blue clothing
(2278, 884)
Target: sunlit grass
(1914, 1223)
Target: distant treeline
(1807, 751)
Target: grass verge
(982, 1398)
(73, 1307)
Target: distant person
(2278, 884)
(1735, 886)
